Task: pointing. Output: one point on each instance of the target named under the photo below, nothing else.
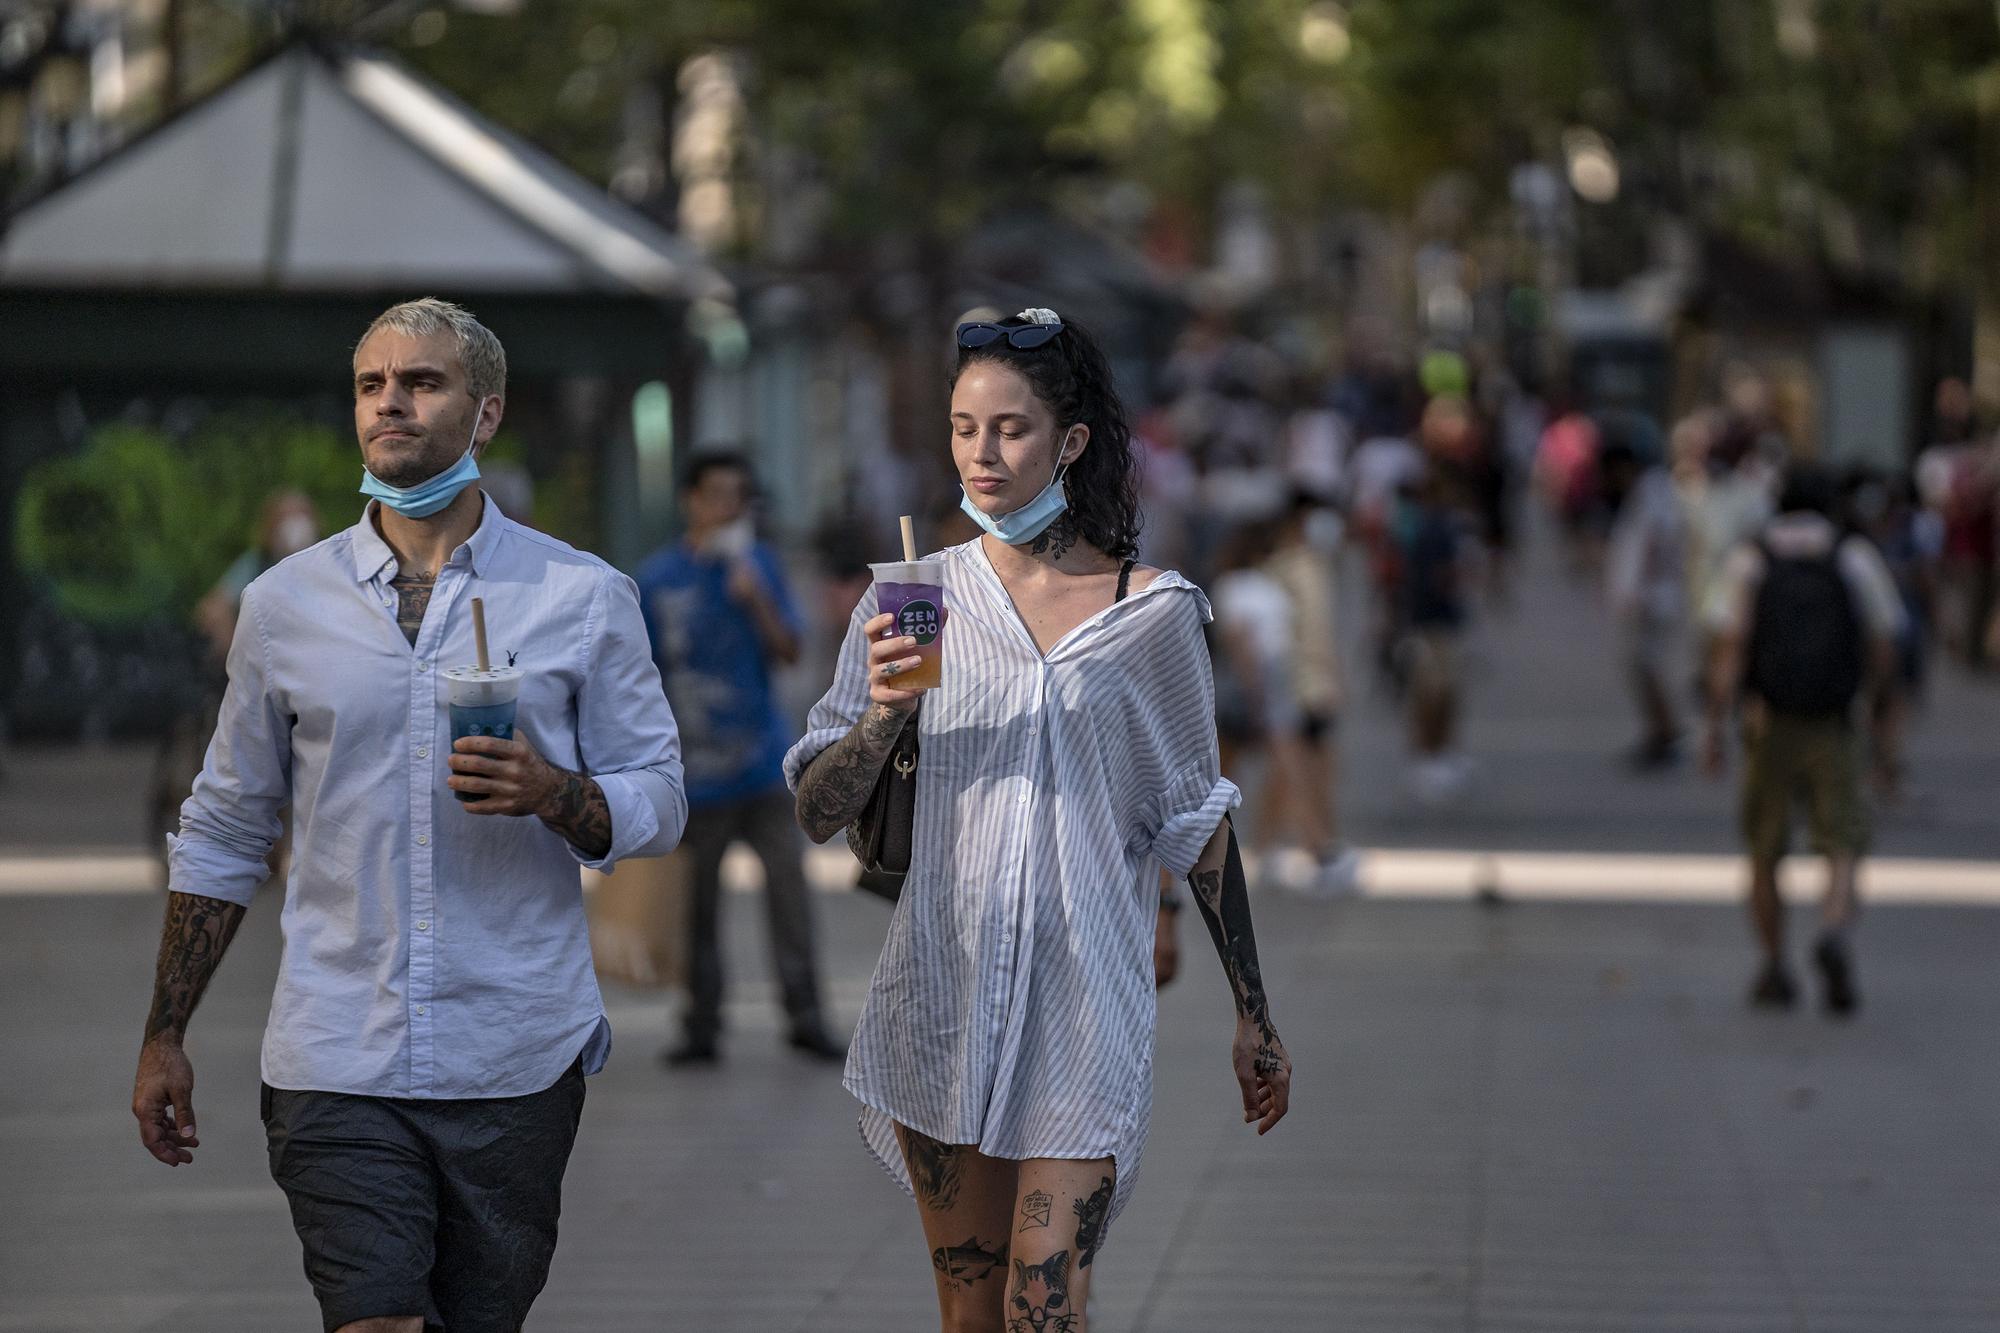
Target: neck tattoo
(1056, 538)
(413, 598)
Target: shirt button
(1006, 939)
(423, 925)
(423, 752)
(422, 1010)
(423, 840)
(423, 666)
(1023, 798)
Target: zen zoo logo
(919, 620)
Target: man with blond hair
(435, 1011)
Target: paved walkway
(1541, 1117)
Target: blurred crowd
(1263, 481)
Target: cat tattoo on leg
(1039, 1301)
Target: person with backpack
(1807, 625)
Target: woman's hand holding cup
(888, 658)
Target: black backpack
(1804, 655)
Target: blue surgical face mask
(1031, 520)
(427, 497)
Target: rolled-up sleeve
(231, 821)
(626, 734)
(844, 701)
(1185, 809)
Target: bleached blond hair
(484, 359)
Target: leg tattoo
(969, 1261)
(1038, 1301)
(933, 1169)
(1036, 1209)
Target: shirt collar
(372, 554)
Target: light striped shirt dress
(1013, 1005)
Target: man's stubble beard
(406, 471)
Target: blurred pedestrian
(1645, 569)
(1259, 717)
(1004, 1055)
(1910, 540)
(1434, 551)
(1958, 475)
(1566, 472)
(1808, 626)
(1308, 541)
(1727, 503)
(436, 1011)
(720, 615)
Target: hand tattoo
(933, 1169)
(413, 598)
(1223, 897)
(580, 813)
(839, 781)
(969, 1261)
(1091, 1215)
(193, 938)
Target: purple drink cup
(913, 592)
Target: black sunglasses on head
(1019, 336)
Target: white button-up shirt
(1013, 1004)
(428, 952)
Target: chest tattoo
(413, 598)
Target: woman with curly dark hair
(1004, 1056)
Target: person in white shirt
(1003, 1058)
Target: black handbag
(881, 834)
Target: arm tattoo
(969, 1261)
(581, 814)
(1038, 1297)
(192, 940)
(1091, 1215)
(1056, 538)
(1223, 898)
(413, 598)
(933, 1168)
(838, 783)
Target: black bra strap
(1124, 579)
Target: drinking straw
(479, 632)
(909, 539)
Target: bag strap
(1124, 579)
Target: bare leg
(1843, 874)
(1767, 910)
(1317, 817)
(1059, 1223)
(966, 1201)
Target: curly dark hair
(1072, 378)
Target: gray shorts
(406, 1206)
